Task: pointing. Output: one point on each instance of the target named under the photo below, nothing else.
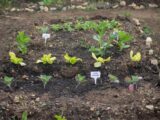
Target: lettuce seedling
(8, 81)
(113, 78)
(24, 115)
(46, 59)
(16, 60)
(71, 60)
(56, 27)
(68, 27)
(45, 79)
(100, 60)
(135, 58)
(60, 117)
(22, 40)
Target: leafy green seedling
(56, 27)
(8, 81)
(16, 60)
(135, 58)
(113, 78)
(44, 29)
(121, 38)
(133, 80)
(100, 60)
(68, 27)
(45, 79)
(71, 60)
(147, 30)
(48, 2)
(24, 115)
(80, 79)
(60, 117)
(22, 40)
(46, 59)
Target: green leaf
(24, 115)
(97, 64)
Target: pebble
(151, 52)
(136, 21)
(154, 61)
(150, 107)
(115, 6)
(151, 5)
(122, 3)
(81, 7)
(28, 9)
(53, 8)
(46, 9)
(16, 99)
(41, 8)
(148, 42)
(13, 9)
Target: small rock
(150, 107)
(13, 9)
(16, 99)
(41, 3)
(141, 7)
(29, 10)
(41, 8)
(154, 61)
(132, 5)
(85, 4)
(37, 99)
(92, 108)
(148, 42)
(100, 5)
(152, 5)
(136, 21)
(64, 8)
(122, 3)
(81, 7)
(151, 52)
(46, 9)
(25, 77)
(115, 6)
(53, 8)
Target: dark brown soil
(87, 102)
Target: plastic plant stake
(46, 36)
(95, 75)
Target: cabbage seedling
(16, 60)
(100, 60)
(60, 117)
(45, 79)
(71, 60)
(8, 81)
(113, 78)
(135, 58)
(46, 59)
(80, 79)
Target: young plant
(43, 29)
(100, 60)
(60, 117)
(8, 81)
(45, 79)
(68, 27)
(48, 2)
(113, 78)
(121, 38)
(56, 27)
(133, 80)
(16, 60)
(24, 115)
(80, 79)
(46, 59)
(71, 60)
(135, 58)
(22, 41)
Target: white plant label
(46, 36)
(95, 75)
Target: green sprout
(46, 59)
(8, 81)
(24, 115)
(22, 41)
(16, 60)
(80, 79)
(45, 79)
(71, 60)
(56, 27)
(113, 78)
(60, 117)
(133, 80)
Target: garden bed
(88, 101)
